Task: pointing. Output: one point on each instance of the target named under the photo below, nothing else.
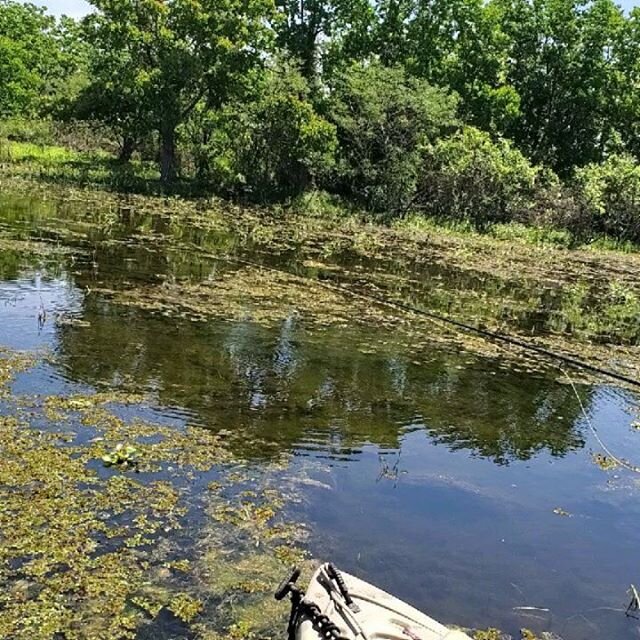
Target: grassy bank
(59, 165)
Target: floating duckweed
(56, 515)
(12, 363)
(58, 407)
(185, 607)
(606, 463)
(488, 634)
(89, 552)
(251, 293)
(182, 565)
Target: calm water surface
(436, 479)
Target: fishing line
(435, 317)
(458, 324)
(619, 461)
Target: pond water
(463, 483)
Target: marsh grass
(64, 166)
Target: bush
(555, 205)
(271, 147)
(468, 176)
(609, 194)
(34, 131)
(384, 119)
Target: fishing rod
(458, 324)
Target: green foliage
(35, 131)
(39, 59)
(384, 120)
(154, 62)
(271, 146)
(461, 44)
(610, 196)
(518, 232)
(626, 99)
(486, 112)
(563, 55)
(315, 30)
(25, 45)
(124, 456)
(471, 177)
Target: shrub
(555, 205)
(384, 119)
(469, 176)
(609, 194)
(271, 147)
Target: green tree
(461, 44)
(610, 196)
(562, 68)
(69, 68)
(271, 144)
(384, 120)
(469, 176)
(37, 57)
(625, 90)
(169, 56)
(310, 28)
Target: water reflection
(280, 385)
(286, 385)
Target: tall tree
(561, 66)
(470, 54)
(453, 43)
(35, 58)
(309, 28)
(625, 92)
(162, 57)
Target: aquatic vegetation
(122, 455)
(610, 315)
(605, 462)
(252, 294)
(185, 607)
(515, 288)
(488, 634)
(141, 266)
(84, 554)
(12, 363)
(71, 539)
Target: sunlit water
(435, 479)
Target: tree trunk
(168, 158)
(127, 149)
